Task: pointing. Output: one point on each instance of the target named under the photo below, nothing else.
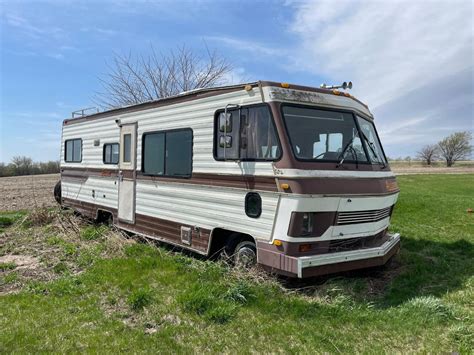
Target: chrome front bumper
(371, 257)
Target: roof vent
(345, 85)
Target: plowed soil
(27, 192)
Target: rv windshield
(323, 135)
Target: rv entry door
(127, 173)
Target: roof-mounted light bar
(345, 85)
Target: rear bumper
(322, 264)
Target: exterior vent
(186, 235)
(371, 216)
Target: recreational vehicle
(291, 177)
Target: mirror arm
(225, 126)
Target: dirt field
(26, 192)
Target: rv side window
(73, 150)
(127, 148)
(250, 134)
(111, 153)
(168, 153)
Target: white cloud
(384, 47)
(243, 45)
(28, 28)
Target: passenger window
(73, 151)
(248, 134)
(168, 153)
(111, 153)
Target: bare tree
(428, 153)
(455, 147)
(135, 79)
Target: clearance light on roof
(285, 85)
(248, 87)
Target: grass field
(93, 290)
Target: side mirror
(225, 122)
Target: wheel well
(104, 216)
(226, 239)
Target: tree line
(455, 147)
(21, 165)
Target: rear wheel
(57, 192)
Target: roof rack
(83, 112)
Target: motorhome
(291, 177)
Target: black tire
(245, 254)
(57, 192)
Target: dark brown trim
(323, 185)
(164, 230)
(248, 182)
(342, 186)
(310, 89)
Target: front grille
(353, 217)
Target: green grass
(148, 299)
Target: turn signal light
(304, 247)
(285, 186)
(277, 243)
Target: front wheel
(245, 254)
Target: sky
(412, 61)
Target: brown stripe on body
(248, 182)
(303, 185)
(342, 186)
(148, 226)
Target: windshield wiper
(344, 151)
(372, 148)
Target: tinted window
(111, 153)
(179, 153)
(127, 148)
(73, 153)
(258, 139)
(168, 153)
(154, 153)
(249, 134)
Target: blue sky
(411, 61)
